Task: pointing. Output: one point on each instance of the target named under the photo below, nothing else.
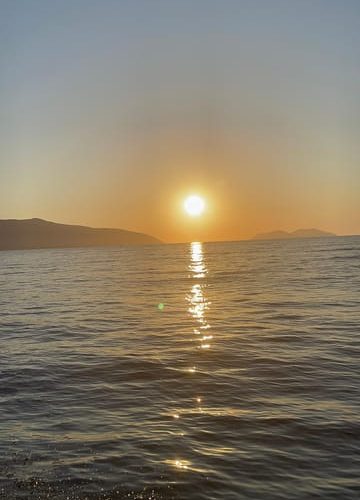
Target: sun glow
(194, 205)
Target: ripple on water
(244, 384)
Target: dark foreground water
(203, 371)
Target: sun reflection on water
(198, 302)
(179, 464)
(197, 264)
(198, 307)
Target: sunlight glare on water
(198, 302)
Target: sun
(194, 205)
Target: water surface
(203, 371)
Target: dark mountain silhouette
(299, 233)
(37, 233)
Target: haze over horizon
(114, 112)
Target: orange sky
(115, 113)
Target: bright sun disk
(194, 205)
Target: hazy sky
(112, 111)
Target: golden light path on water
(198, 308)
(198, 302)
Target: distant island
(299, 233)
(25, 234)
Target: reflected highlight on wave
(197, 264)
(198, 302)
(197, 308)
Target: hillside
(37, 233)
(299, 233)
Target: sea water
(195, 371)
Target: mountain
(299, 233)
(37, 233)
(311, 233)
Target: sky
(113, 111)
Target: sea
(200, 371)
